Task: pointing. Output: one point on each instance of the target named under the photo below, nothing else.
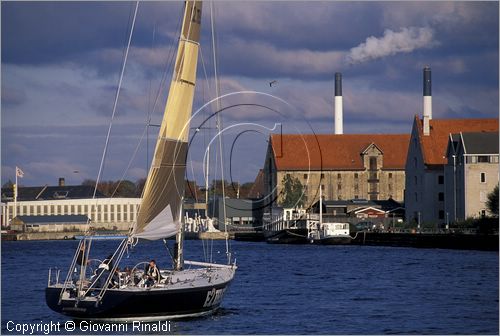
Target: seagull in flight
(274, 82)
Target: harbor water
(301, 289)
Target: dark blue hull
(153, 304)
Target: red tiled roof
(336, 151)
(434, 145)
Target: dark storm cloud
(52, 32)
(61, 62)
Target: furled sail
(159, 213)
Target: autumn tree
(291, 194)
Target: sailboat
(173, 293)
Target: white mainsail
(159, 213)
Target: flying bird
(274, 82)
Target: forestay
(159, 213)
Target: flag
(19, 172)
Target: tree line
(192, 190)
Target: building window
(322, 175)
(305, 176)
(440, 179)
(483, 213)
(416, 197)
(339, 186)
(441, 196)
(373, 163)
(339, 176)
(482, 159)
(494, 159)
(322, 187)
(441, 214)
(416, 180)
(483, 177)
(355, 175)
(356, 187)
(415, 162)
(390, 175)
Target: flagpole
(15, 198)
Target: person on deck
(152, 274)
(99, 279)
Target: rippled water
(284, 289)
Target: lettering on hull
(214, 297)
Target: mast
(179, 246)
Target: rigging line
(148, 115)
(167, 66)
(176, 78)
(203, 95)
(101, 166)
(205, 172)
(219, 125)
(130, 162)
(116, 101)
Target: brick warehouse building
(344, 166)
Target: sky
(61, 62)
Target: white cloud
(404, 41)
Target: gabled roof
(65, 219)
(363, 209)
(480, 142)
(435, 144)
(364, 151)
(336, 151)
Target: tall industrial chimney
(427, 100)
(339, 127)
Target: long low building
(107, 213)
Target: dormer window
(60, 194)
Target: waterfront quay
(482, 242)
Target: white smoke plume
(404, 41)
